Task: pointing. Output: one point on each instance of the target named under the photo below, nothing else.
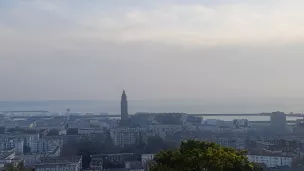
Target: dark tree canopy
(18, 167)
(103, 144)
(53, 132)
(202, 156)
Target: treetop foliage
(202, 156)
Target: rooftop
(115, 154)
(52, 165)
(4, 155)
(268, 153)
(60, 159)
(264, 143)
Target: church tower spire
(124, 109)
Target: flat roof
(268, 153)
(50, 165)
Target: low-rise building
(263, 145)
(31, 159)
(271, 159)
(72, 159)
(57, 167)
(59, 164)
(7, 156)
(100, 161)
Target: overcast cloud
(157, 49)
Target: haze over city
(179, 50)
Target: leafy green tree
(13, 167)
(10, 167)
(202, 156)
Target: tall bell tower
(124, 109)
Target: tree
(53, 132)
(156, 144)
(20, 166)
(13, 167)
(202, 156)
(10, 167)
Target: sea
(166, 106)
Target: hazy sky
(155, 49)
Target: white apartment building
(62, 132)
(19, 147)
(28, 139)
(125, 136)
(45, 146)
(271, 160)
(16, 144)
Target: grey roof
(52, 165)
(60, 159)
(115, 154)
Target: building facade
(125, 136)
(57, 167)
(104, 161)
(278, 121)
(46, 146)
(271, 160)
(16, 144)
(30, 159)
(59, 164)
